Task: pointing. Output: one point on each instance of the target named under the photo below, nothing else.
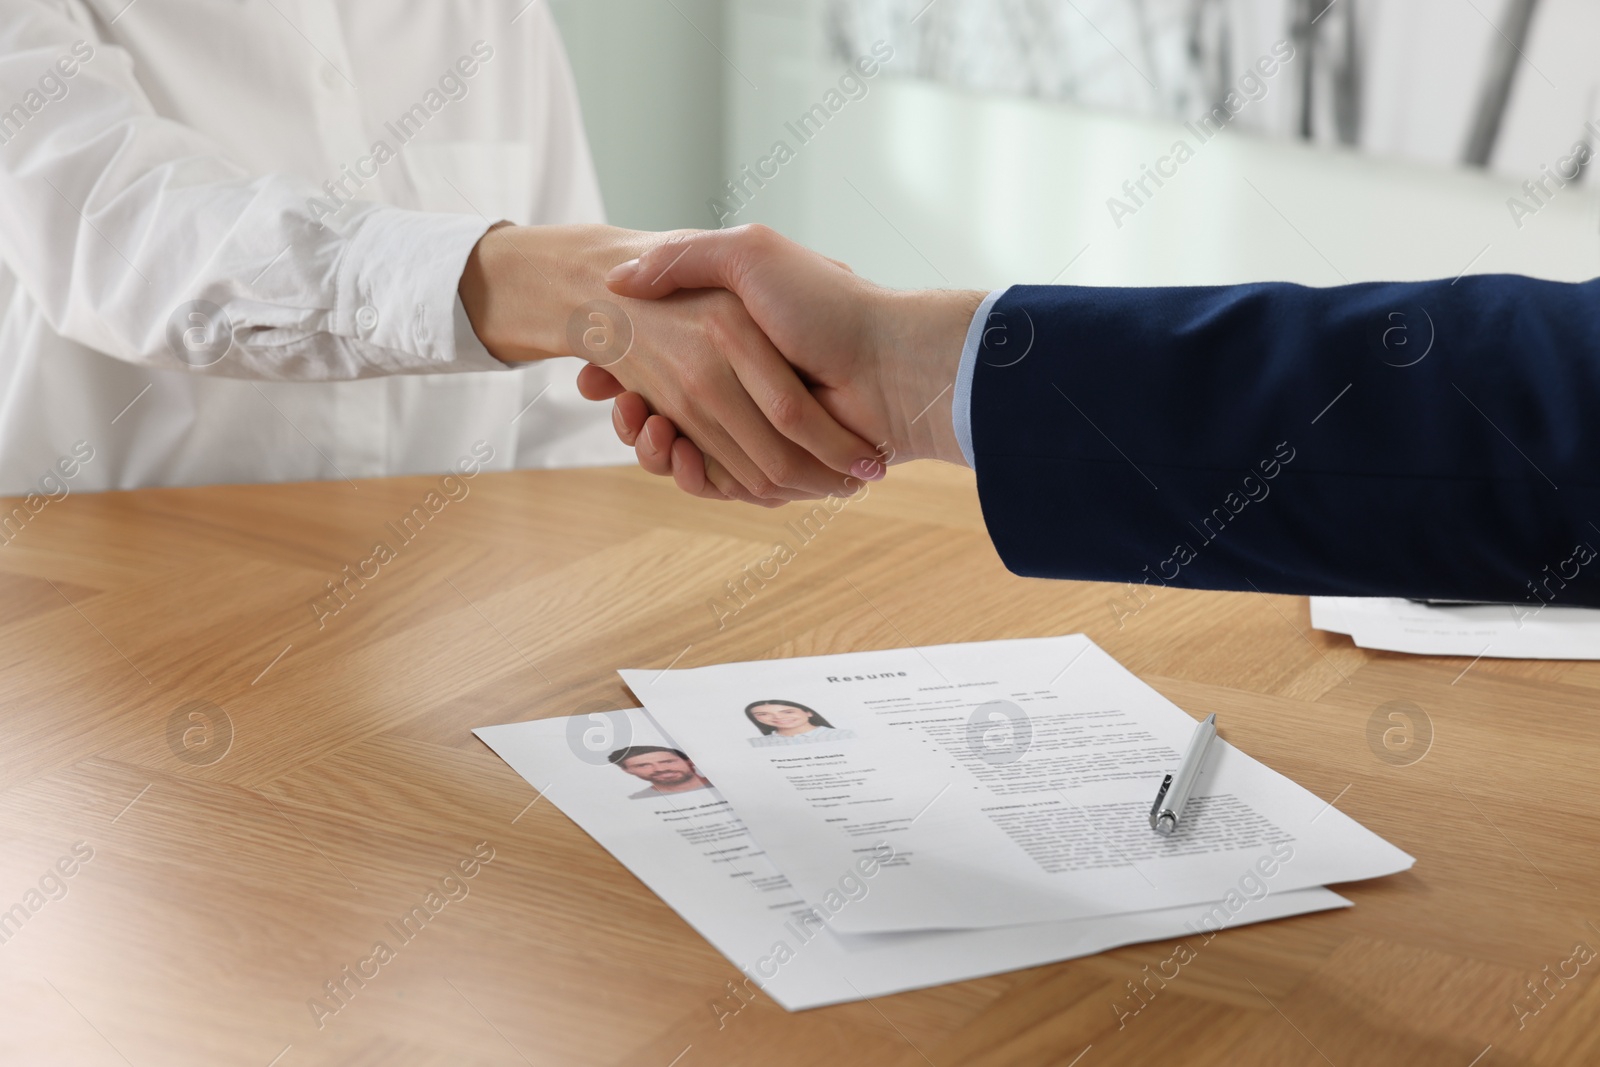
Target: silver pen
(1175, 789)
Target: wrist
(918, 338)
(490, 302)
(522, 284)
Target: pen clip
(1161, 794)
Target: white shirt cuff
(961, 402)
(397, 290)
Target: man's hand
(697, 358)
(881, 362)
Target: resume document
(990, 785)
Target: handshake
(751, 368)
(758, 370)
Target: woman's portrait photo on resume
(784, 722)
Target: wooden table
(262, 791)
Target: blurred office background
(989, 148)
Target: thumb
(709, 259)
(597, 383)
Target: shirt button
(331, 79)
(366, 317)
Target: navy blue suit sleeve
(1429, 439)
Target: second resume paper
(668, 824)
(1010, 782)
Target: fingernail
(868, 470)
(622, 271)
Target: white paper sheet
(1498, 631)
(692, 850)
(922, 756)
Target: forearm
(136, 235)
(1297, 440)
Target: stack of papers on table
(1508, 631)
(948, 812)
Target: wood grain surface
(256, 787)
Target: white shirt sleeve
(138, 237)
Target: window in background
(1503, 84)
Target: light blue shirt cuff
(961, 403)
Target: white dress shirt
(232, 232)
